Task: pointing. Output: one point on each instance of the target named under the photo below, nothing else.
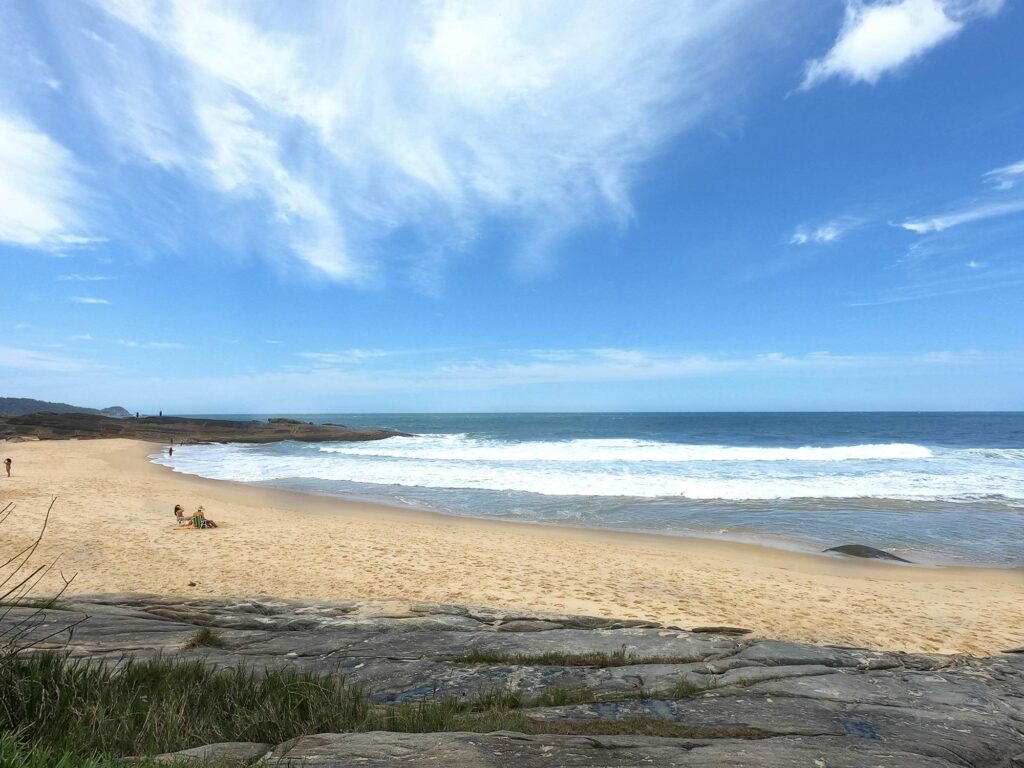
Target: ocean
(944, 488)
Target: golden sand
(113, 525)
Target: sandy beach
(113, 526)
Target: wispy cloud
(510, 368)
(820, 234)
(992, 205)
(151, 344)
(38, 188)
(347, 356)
(987, 210)
(880, 37)
(971, 277)
(85, 278)
(82, 337)
(1006, 177)
(511, 371)
(89, 300)
(958, 261)
(334, 128)
(511, 374)
(31, 360)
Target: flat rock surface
(808, 705)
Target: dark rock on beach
(862, 550)
(747, 701)
(721, 630)
(162, 429)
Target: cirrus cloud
(38, 191)
(331, 130)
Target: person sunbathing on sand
(179, 513)
(199, 520)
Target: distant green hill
(19, 406)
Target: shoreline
(332, 504)
(292, 544)
(756, 539)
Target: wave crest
(461, 448)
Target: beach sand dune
(113, 525)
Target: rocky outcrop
(162, 429)
(749, 701)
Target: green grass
(447, 715)
(206, 638)
(509, 698)
(79, 711)
(618, 658)
(684, 689)
(15, 753)
(33, 602)
(149, 707)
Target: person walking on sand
(7, 466)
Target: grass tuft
(206, 638)
(68, 712)
(15, 753)
(154, 706)
(684, 689)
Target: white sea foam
(462, 448)
(627, 468)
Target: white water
(459, 447)
(630, 468)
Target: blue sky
(382, 206)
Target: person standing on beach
(170, 451)
(7, 466)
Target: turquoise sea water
(933, 487)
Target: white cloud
(38, 192)
(88, 300)
(85, 278)
(353, 121)
(76, 240)
(82, 337)
(243, 159)
(880, 37)
(30, 360)
(821, 234)
(1006, 177)
(992, 206)
(950, 283)
(348, 356)
(980, 212)
(509, 370)
(151, 344)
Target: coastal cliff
(162, 429)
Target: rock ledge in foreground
(800, 704)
